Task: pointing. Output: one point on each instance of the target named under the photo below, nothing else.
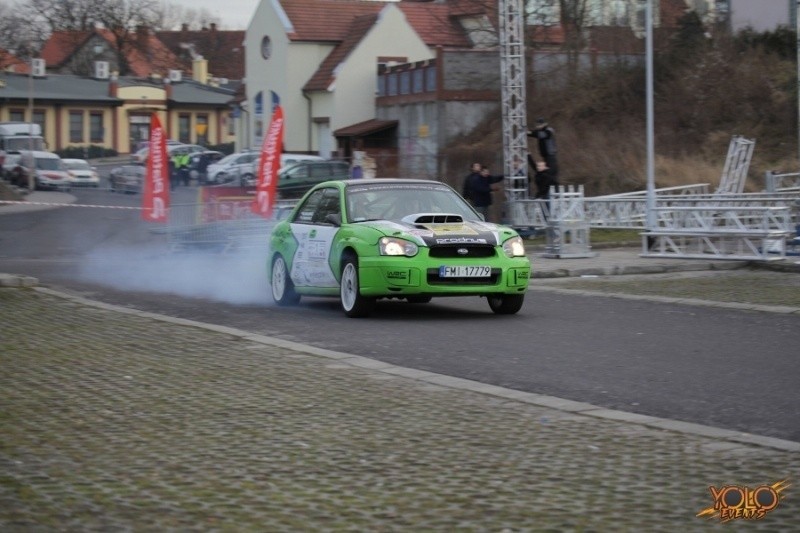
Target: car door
(315, 236)
(293, 181)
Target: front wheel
(353, 304)
(506, 304)
(282, 287)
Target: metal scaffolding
(512, 77)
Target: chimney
(142, 34)
(113, 85)
(200, 70)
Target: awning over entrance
(367, 127)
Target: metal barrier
(754, 233)
(222, 227)
(782, 182)
(567, 226)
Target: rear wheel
(506, 304)
(353, 304)
(282, 287)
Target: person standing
(474, 172)
(480, 189)
(544, 179)
(546, 137)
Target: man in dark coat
(480, 190)
(546, 136)
(544, 179)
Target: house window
(39, 118)
(382, 85)
(16, 115)
(405, 82)
(184, 129)
(430, 79)
(201, 127)
(392, 89)
(419, 81)
(76, 126)
(96, 127)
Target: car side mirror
(334, 218)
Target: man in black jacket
(480, 190)
(546, 136)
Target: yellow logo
(733, 502)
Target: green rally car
(366, 239)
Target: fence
(222, 227)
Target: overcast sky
(234, 14)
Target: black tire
(419, 299)
(353, 304)
(246, 178)
(282, 287)
(506, 304)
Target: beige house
(319, 59)
(114, 112)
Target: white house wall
(353, 95)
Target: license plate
(465, 271)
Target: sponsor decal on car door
(310, 265)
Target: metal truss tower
(512, 80)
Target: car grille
(453, 251)
(434, 279)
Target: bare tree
(173, 17)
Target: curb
(580, 408)
(13, 280)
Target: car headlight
(514, 247)
(391, 246)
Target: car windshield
(77, 165)
(394, 201)
(48, 163)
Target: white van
(49, 170)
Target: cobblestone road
(119, 422)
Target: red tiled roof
(331, 20)
(7, 59)
(323, 77)
(147, 56)
(61, 45)
(224, 50)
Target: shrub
(86, 152)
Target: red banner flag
(270, 162)
(155, 189)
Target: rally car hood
(437, 229)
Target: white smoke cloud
(232, 277)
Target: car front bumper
(386, 276)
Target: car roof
(370, 181)
(41, 154)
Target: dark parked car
(295, 180)
(127, 178)
(198, 164)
